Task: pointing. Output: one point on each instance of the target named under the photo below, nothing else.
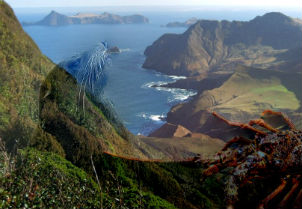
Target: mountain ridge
(210, 45)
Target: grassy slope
(253, 92)
(80, 130)
(180, 148)
(22, 70)
(46, 180)
(129, 181)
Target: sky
(90, 3)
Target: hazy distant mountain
(214, 45)
(187, 23)
(57, 19)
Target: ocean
(141, 107)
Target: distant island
(186, 24)
(57, 19)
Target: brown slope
(182, 148)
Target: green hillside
(23, 69)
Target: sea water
(141, 107)
(131, 89)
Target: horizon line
(170, 6)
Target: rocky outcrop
(170, 130)
(114, 49)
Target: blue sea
(129, 87)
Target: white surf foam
(175, 77)
(177, 94)
(156, 118)
(154, 83)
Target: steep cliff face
(216, 45)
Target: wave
(158, 84)
(156, 118)
(175, 77)
(177, 94)
(154, 84)
(180, 95)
